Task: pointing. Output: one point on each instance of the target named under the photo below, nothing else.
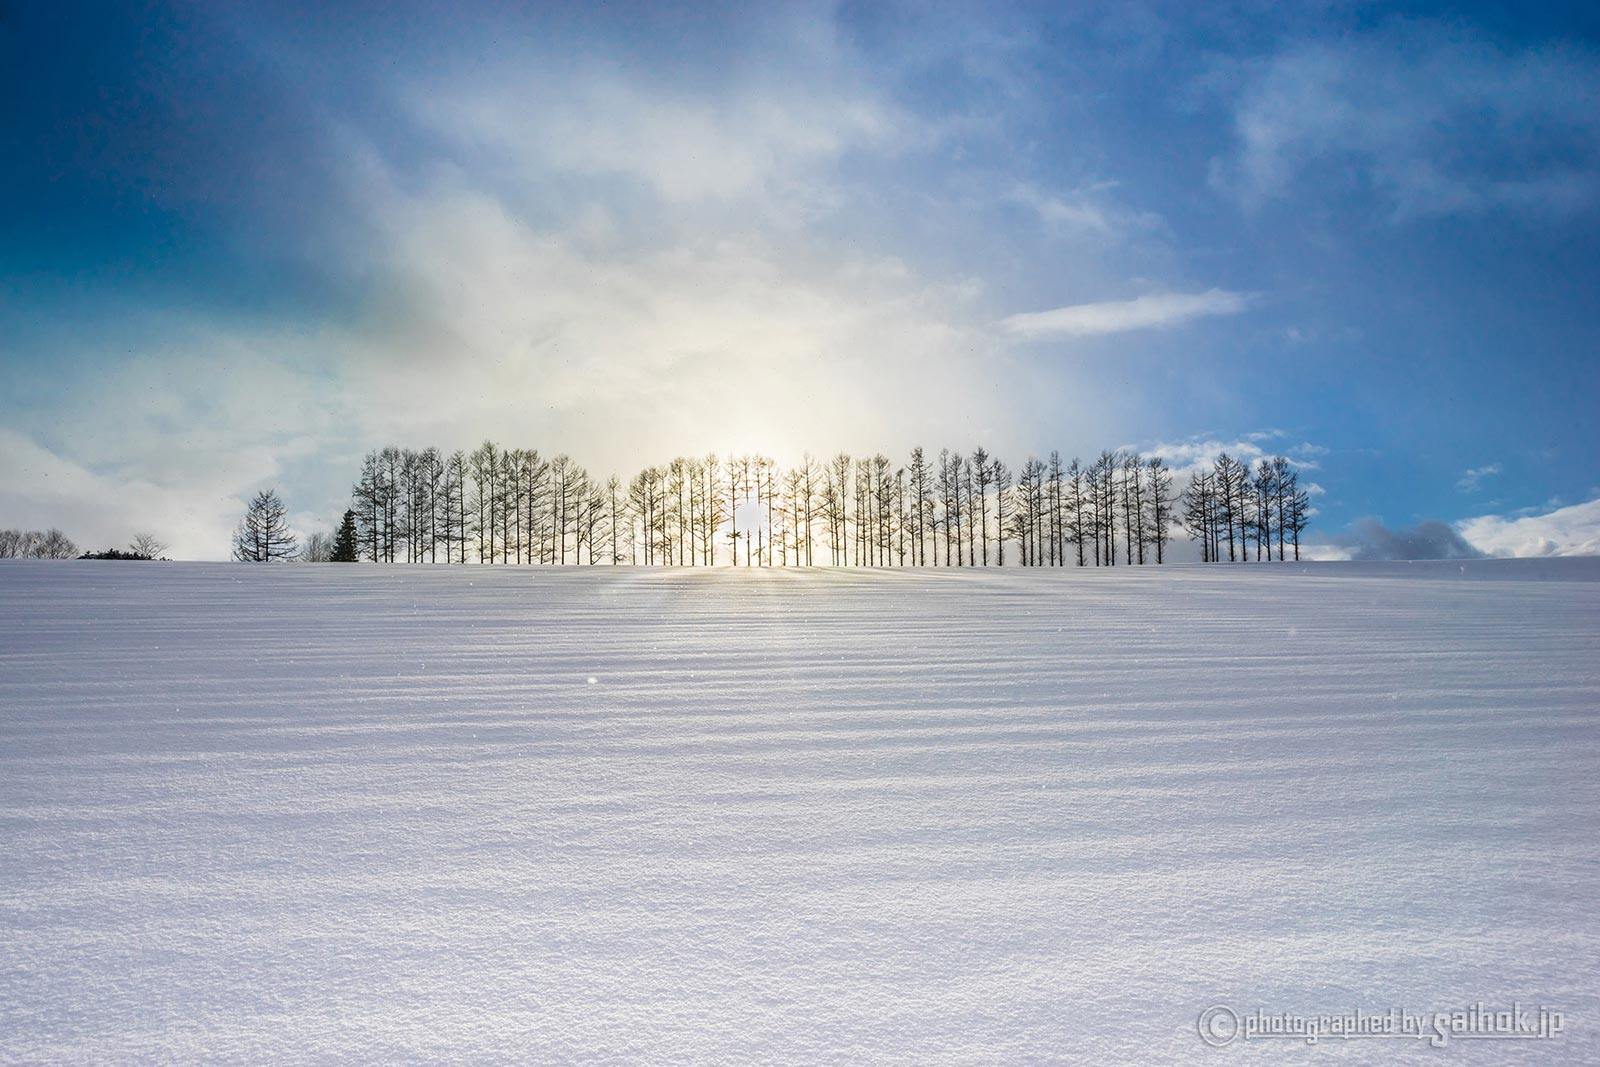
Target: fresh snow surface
(362, 814)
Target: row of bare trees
(1246, 509)
(514, 505)
(36, 544)
(492, 505)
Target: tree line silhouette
(53, 544)
(36, 544)
(515, 506)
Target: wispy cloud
(1088, 210)
(754, 142)
(1472, 479)
(1432, 120)
(1155, 311)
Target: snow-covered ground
(318, 814)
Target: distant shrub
(112, 553)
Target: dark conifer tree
(344, 540)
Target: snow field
(359, 814)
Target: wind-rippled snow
(325, 814)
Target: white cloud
(40, 488)
(1472, 478)
(494, 326)
(1431, 120)
(659, 303)
(571, 254)
(1186, 458)
(1568, 531)
(1154, 311)
(172, 439)
(719, 342)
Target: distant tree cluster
(53, 544)
(36, 544)
(264, 536)
(514, 505)
(143, 547)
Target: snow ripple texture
(362, 814)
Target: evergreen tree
(344, 541)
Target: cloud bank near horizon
(1573, 530)
(1567, 531)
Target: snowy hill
(309, 814)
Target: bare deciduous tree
(148, 545)
(263, 535)
(318, 548)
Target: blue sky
(245, 243)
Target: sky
(242, 244)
